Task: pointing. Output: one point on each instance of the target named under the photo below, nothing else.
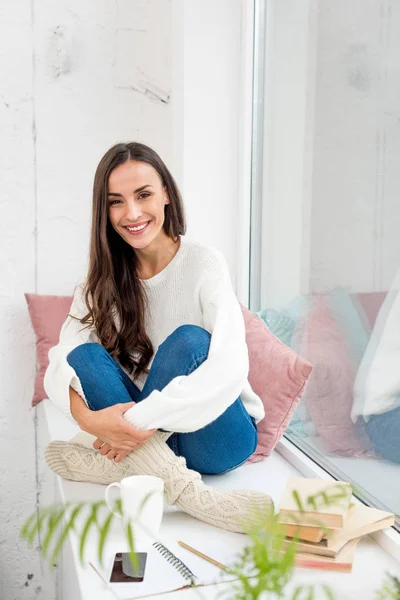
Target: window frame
(250, 225)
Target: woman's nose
(134, 210)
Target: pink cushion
(48, 314)
(329, 395)
(278, 376)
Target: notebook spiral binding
(175, 562)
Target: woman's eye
(111, 202)
(144, 195)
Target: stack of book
(327, 527)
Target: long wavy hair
(114, 295)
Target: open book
(162, 576)
(361, 520)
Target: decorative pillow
(48, 314)
(278, 376)
(282, 324)
(332, 336)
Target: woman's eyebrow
(135, 192)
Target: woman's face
(136, 197)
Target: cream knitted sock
(232, 510)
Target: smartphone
(124, 572)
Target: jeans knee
(83, 352)
(190, 337)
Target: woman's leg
(102, 379)
(221, 446)
(224, 444)
(184, 487)
(384, 433)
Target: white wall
(82, 75)
(207, 70)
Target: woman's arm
(109, 426)
(64, 388)
(190, 402)
(79, 410)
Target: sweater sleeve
(190, 402)
(59, 374)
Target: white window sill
(270, 476)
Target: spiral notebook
(171, 567)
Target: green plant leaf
(104, 529)
(132, 554)
(28, 524)
(37, 523)
(54, 520)
(328, 592)
(92, 520)
(64, 533)
(297, 500)
(297, 593)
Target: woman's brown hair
(114, 295)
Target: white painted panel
(85, 109)
(79, 111)
(211, 97)
(21, 572)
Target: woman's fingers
(125, 446)
(117, 453)
(120, 456)
(104, 450)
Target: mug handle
(109, 501)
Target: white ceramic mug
(142, 502)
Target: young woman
(152, 359)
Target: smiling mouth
(132, 231)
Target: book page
(361, 520)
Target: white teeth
(137, 228)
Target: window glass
(328, 282)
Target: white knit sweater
(194, 288)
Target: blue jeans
(384, 431)
(220, 446)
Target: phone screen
(123, 570)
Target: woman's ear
(166, 198)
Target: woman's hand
(116, 438)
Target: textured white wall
(81, 75)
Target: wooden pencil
(204, 556)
